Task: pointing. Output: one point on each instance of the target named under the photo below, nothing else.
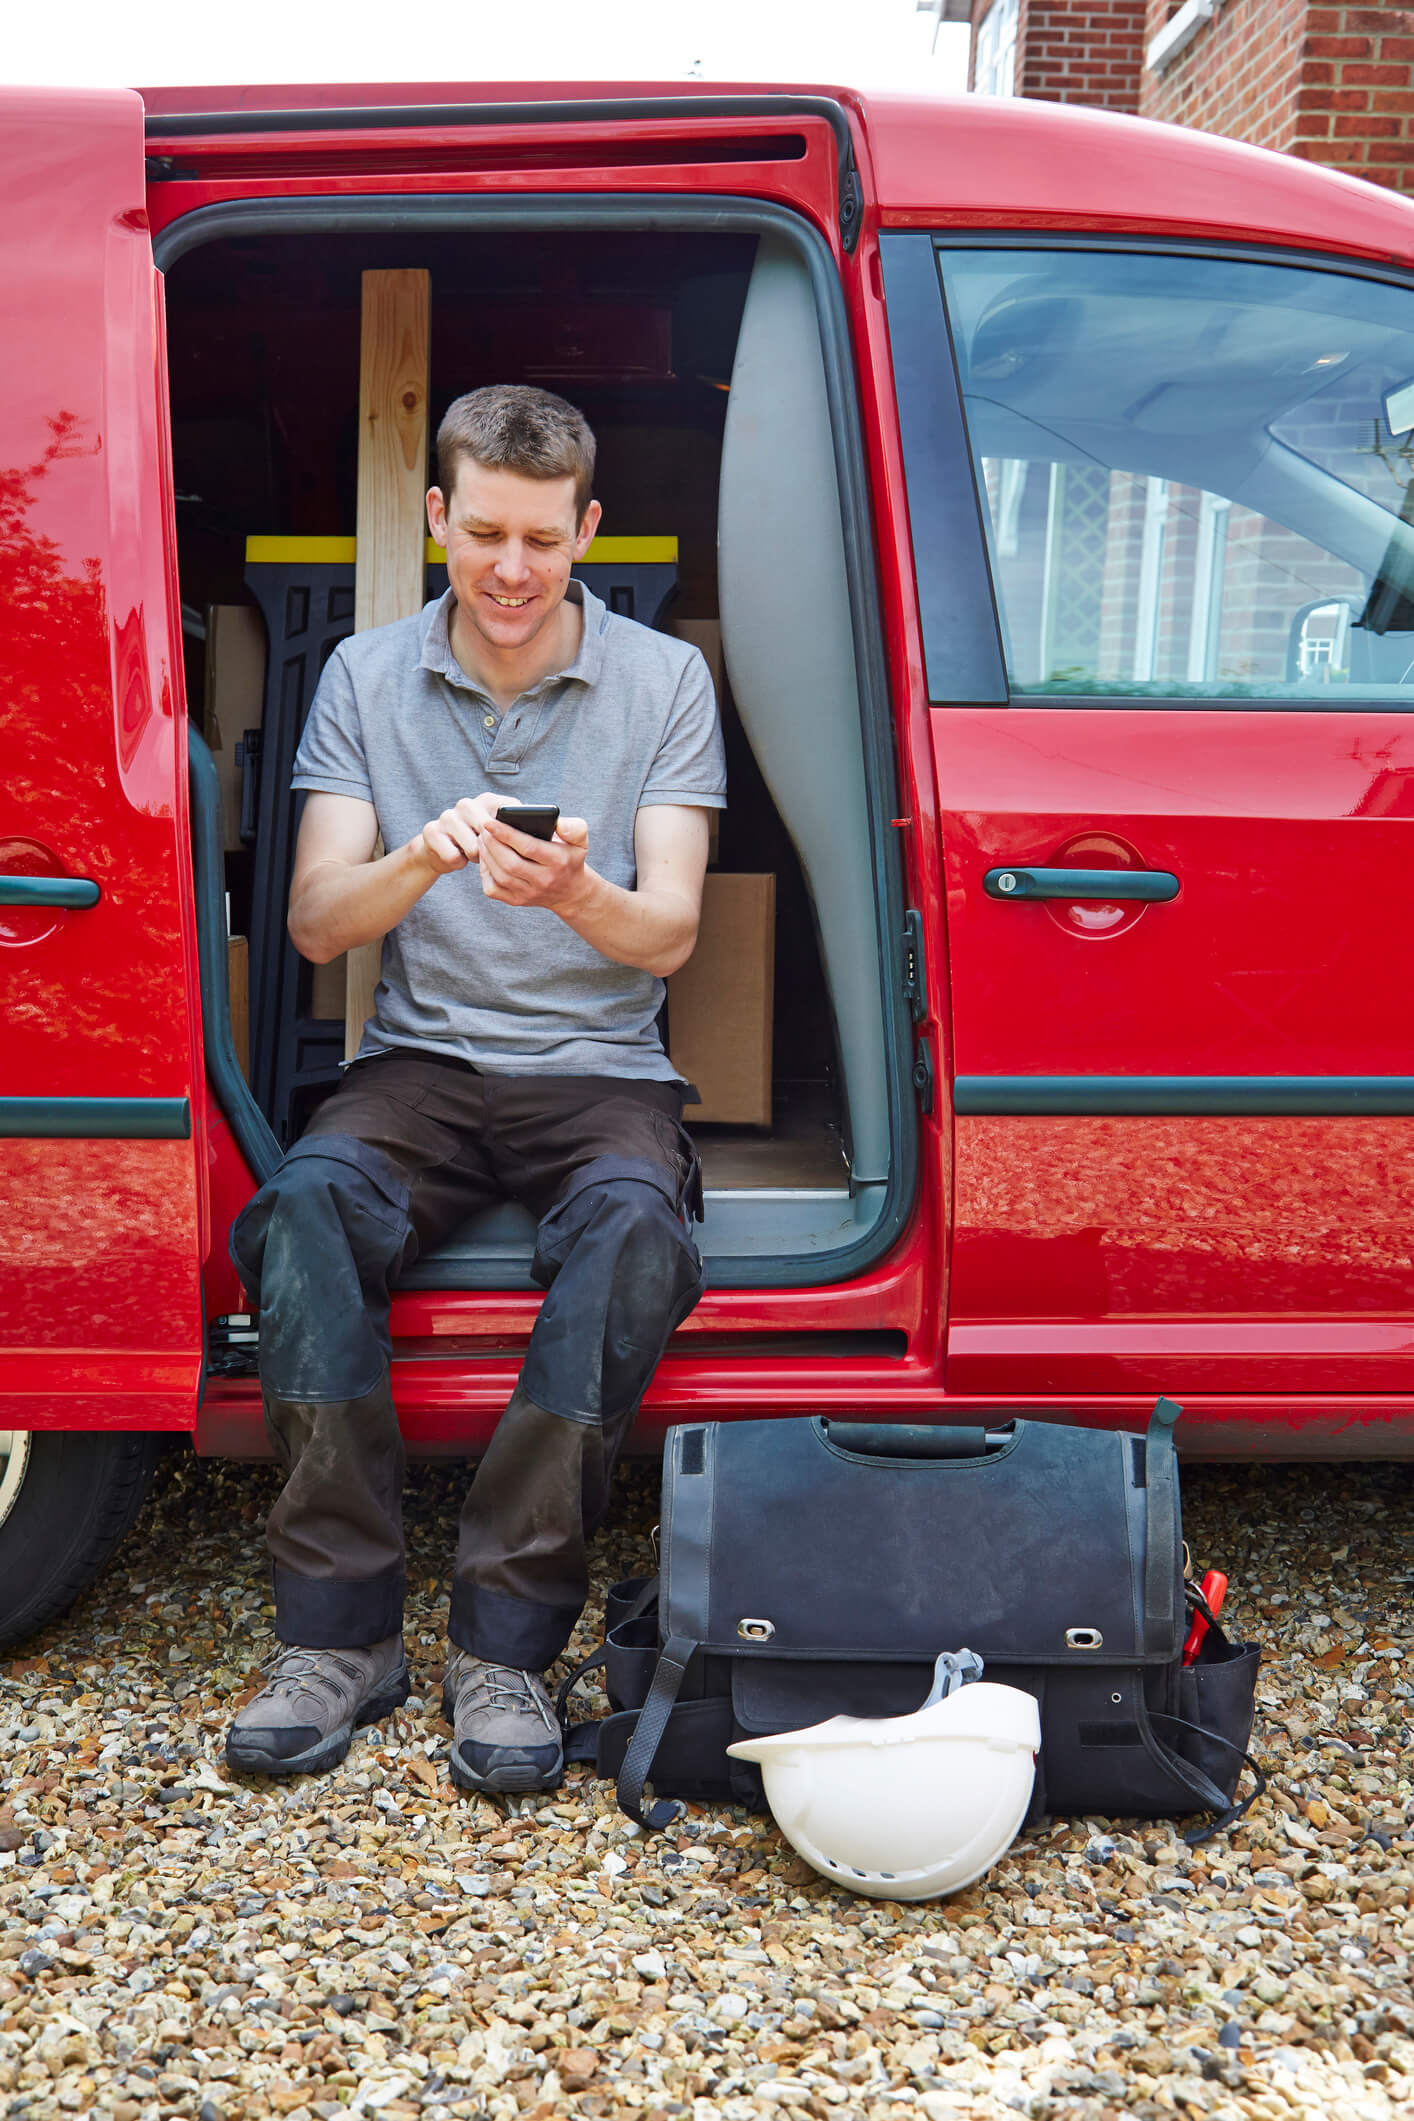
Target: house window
(996, 50)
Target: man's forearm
(337, 905)
(652, 930)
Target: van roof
(977, 161)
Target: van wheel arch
(67, 1498)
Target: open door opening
(696, 358)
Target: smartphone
(537, 819)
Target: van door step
(232, 1342)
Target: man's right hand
(452, 840)
(342, 894)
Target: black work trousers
(407, 1147)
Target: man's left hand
(522, 871)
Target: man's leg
(375, 1177)
(616, 1254)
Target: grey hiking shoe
(304, 1717)
(505, 1735)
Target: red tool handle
(1214, 1590)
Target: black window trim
(910, 360)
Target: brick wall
(1356, 98)
(1332, 83)
(1240, 75)
(1076, 51)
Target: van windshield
(1198, 472)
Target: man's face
(510, 544)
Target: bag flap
(771, 1694)
(777, 1543)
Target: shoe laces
(293, 1669)
(494, 1686)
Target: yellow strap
(341, 552)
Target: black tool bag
(814, 1568)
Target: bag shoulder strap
(673, 1660)
(1203, 1787)
(581, 1740)
(1161, 1557)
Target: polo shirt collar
(585, 669)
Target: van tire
(77, 1496)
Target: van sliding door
(1175, 769)
(100, 1210)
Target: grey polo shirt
(632, 722)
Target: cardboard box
(235, 698)
(238, 977)
(706, 635)
(720, 1004)
(328, 989)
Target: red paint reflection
(1181, 1217)
(98, 1241)
(101, 1007)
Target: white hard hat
(907, 1807)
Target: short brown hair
(513, 427)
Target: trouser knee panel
(622, 1274)
(316, 1248)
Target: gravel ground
(173, 1942)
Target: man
(513, 1051)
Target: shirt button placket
(509, 740)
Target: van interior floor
(802, 1149)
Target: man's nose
(512, 562)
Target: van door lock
(923, 1074)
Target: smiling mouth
(508, 603)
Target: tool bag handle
(907, 1439)
(1162, 1563)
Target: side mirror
(1319, 644)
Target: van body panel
(989, 162)
(101, 1231)
(1278, 1424)
(1181, 1136)
(917, 820)
(1249, 1260)
(1145, 1236)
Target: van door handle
(1154, 885)
(76, 892)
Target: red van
(1047, 479)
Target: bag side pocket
(1217, 1696)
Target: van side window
(1197, 473)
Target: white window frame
(994, 73)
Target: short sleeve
(691, 765)
(331, 757)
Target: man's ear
(584, 536)
(437, 515)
